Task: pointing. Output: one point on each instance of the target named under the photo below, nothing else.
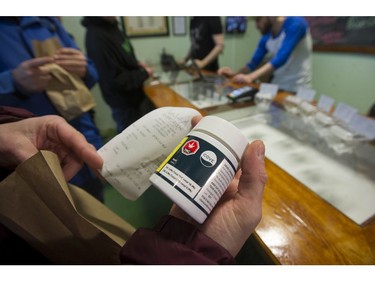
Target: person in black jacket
(121, 76)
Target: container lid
(307, 107)
(293, 99)
(342, 133)
(226, 131)
(265, 96)
(323, 118)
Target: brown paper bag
(62, 221)
(68, 93)
(66, 90)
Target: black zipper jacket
(120, 76)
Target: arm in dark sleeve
(7, 115)
(122, 73)
(173, 241)
(215, 25)
(6, 82)
(12, 114)
(293, 35)
(259, 54)
(130, 79)
(91, 76)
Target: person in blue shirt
(288, 43)
(23, 79)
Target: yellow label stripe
(171, 154)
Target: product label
(199, 171)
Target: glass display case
(337, 170)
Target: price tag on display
(325, 103)
(306, 94)
(363, 126)
(344, 112)
(268, 88)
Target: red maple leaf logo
(191, 147)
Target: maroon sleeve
(13, 114)
(173, 241)
(13, 250)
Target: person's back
(121, 77)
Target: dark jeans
(125, 116)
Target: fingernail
(261, 151)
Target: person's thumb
(254, 176)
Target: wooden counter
(297, 227)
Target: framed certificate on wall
(179, 26)
(135, 26)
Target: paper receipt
(132, 156)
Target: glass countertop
(203, 92)
(346, 180)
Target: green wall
(346, 77)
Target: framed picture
(145, 26)
(179, 26)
